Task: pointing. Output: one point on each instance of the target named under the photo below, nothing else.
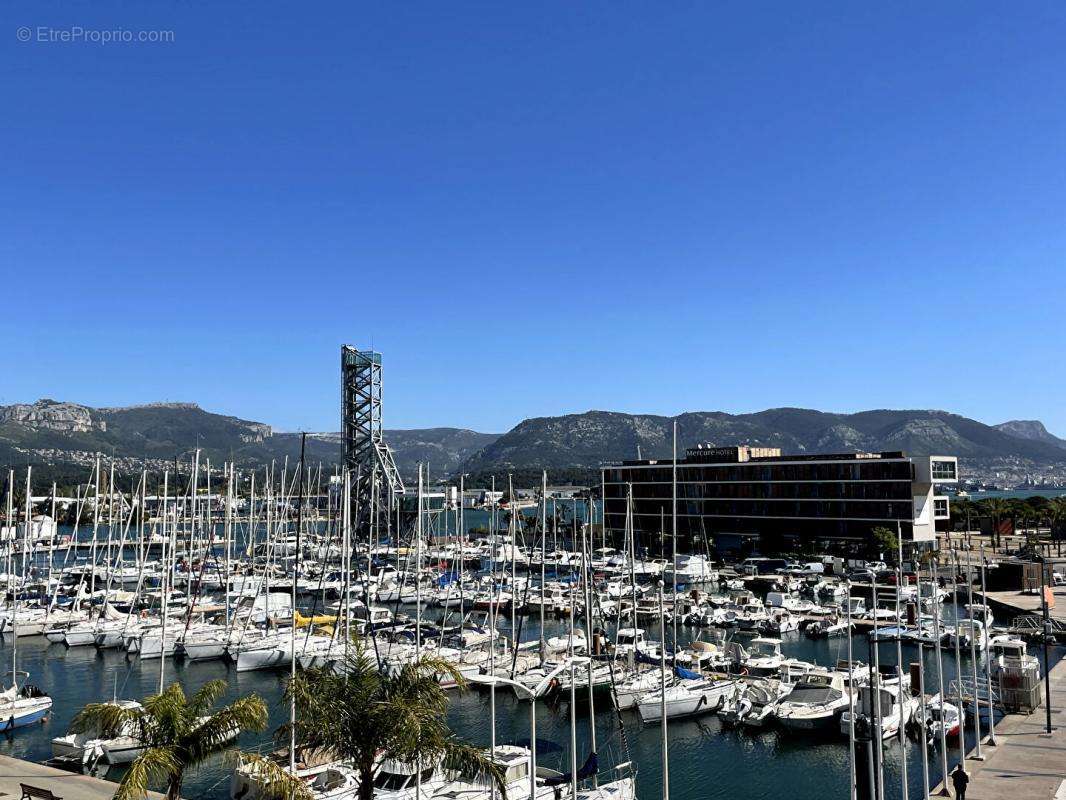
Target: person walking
(959, 779)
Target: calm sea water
(707, 761)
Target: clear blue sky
(537, 208)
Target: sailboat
(691, 695)
(22, 703)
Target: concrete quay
(63, 784)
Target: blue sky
(537, 208)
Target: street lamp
(531, 694)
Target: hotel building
(733, 494)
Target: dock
(1026, 762)
(63, 784)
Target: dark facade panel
(776, 500)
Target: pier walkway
(1025, 763)
(67, 785)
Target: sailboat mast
(899, 665)
(631, 531)
(853, 790)
(513, 535)
(164, 577)
(664, 742)
(295, 578)
(418, 565)
(573, 704)
(228, 533)
(586, 577)
(673, 549)
(13, 528)
(543, 551)
(96, 528)
(939, 665)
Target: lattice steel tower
(374, 473)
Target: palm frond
(275, 780)
(247, 713)
(470, 760)
(106, 719)
(204, 699)
(154, 766)
(166, 714)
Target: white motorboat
(87, 748)
(825, 627)
(763, 658)
(690, 570)
(941, 716)
(22, 705)
(814, 703)
(894, 710)
(781, 620)
(753, 704)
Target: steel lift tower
(375, 479)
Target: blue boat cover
(588, 769)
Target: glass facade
(822, 497)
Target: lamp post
(1046, 638)
(531, 695)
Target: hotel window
(944, 470)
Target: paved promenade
(68, 785)
(1025, 764)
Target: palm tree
(997, 508)
(178, 733)
(363, 717)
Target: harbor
(95, 630)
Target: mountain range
(54, 432)
(582, 440)
(63, 433)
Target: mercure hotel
(758, 495)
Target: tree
(1056, 512)
(363, 717)
(997, 508)
(884, 544)
(178, 733)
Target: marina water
(707, 760)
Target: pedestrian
(959, 779)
